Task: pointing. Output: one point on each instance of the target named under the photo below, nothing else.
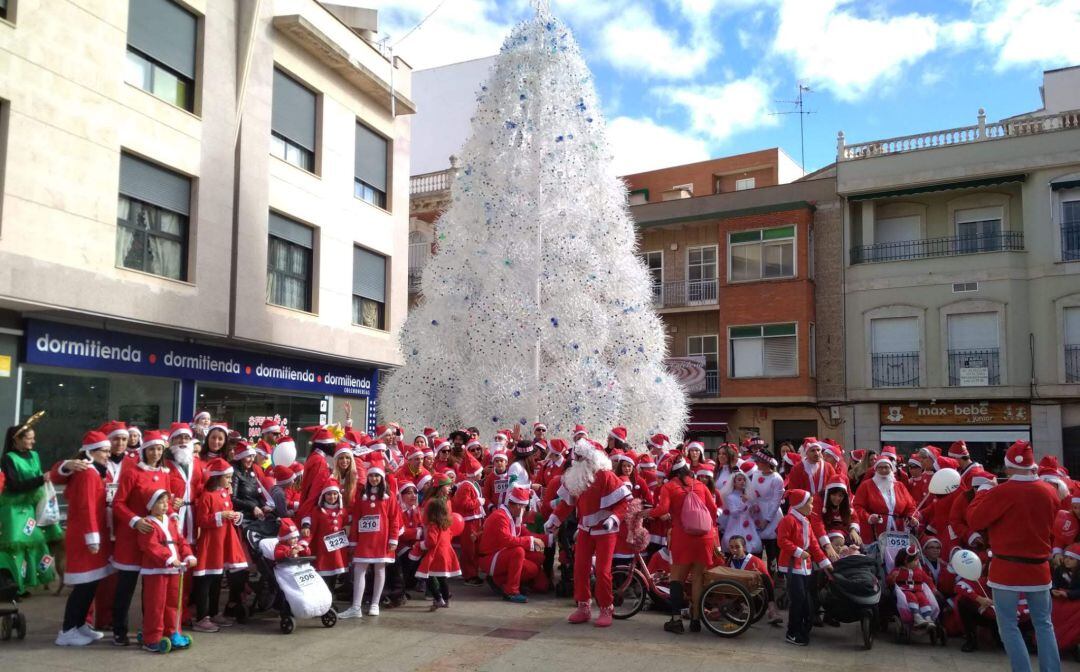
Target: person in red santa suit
(918, 484)
(1018, 516)
(909, 576)
(317, 470)
(833, 453)
(799, 553)
(813, 472)
(959, 451)
(219, 550)
(958, 530)
(882, 504)
(413, 471)
(86, 543)
(185, 478)
(832, 512)
(1066, 595)
(402, 572)
(130, 521)
(1066, 528)
(509, 554)
(376, 526)
(599, 497)
(290, 544)
(692, 550)
(165, 554)
(623, 464)
(468, 501)
(439, 563)
(554, 464)
(496, 481)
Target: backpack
(694, 515)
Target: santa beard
(587, 462)
(183, 454)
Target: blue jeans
(1039, 603)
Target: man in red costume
(508, 553)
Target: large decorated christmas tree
(535, 304)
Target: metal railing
(430, 183)
(712, 383)
(895, 369)
(1070, 242)
(419, 253)
(1072, 363)
(678, 293)
(972, 368)
(949, 246)
(979, 132)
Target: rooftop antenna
(802, 112)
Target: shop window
(161, 45)
(372, 158)
(793, 430)
(369, 289)
(243, 409)
(763, 351)
(152, 219)
(292, 122)
(761, 254)
(289, 257)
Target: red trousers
(916, 599)
(470, 548)
(585, 547)
(160, 594)
(515, 566)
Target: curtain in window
(287, 260)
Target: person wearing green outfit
(24, 545)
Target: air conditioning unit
(961, 287)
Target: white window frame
(716, 262)
(745, 183)
(701, 338)
(972, 306)
(761, 242)
(731, 349)
(884, 312)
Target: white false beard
(184, 454)
(587, 462)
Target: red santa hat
(283, 474)
(1020, 456)
(519, 495)
(93, 440)
(269, 426)
(914, 461)
(263, 448)
(833, 451)
(558, 446)
(579, 431)
(154, 496)
(285, 440)
(431, 433)
(383, 431)
(342, 449)
(705, 469)
(792, 458)
(958, 450)
(405, 485)
(414, 452)
(539, 425)
(443, 445)
(332, 485)
(886, 461)
(321, 436)
(836, 483)
(475, 443)
(297, 468)
(646, 461)
(218, 467)
(621, 456)
(1073, 551)
(858, 454)
(179, 429)
(890, 453)
(695, 445)
(836, 535)
(500, 455)
(502, 436)
(199, 416)
(243, 449)
(153, 438)
(618, 433)
(746, 466)
(287, 530)
(948, 463)
(217, 425)
(931, 539)
(797, 498)
(808, 443)
(659, 441)
(377, 465)
(114, 428)
(679, 463)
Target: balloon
(944, 481)
(457, 524)
(285, 453)
(966, 565)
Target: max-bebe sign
(957, 413)
(54, 344)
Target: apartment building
(204, 207)
(962, 282)
(735, 276)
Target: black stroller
(853, 594)
(291, 587)
(11, 620)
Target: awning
(946, 186)
(950, 433)
(709, 419)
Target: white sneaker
(351, 612)
(373, 610)
(88, 632)
(72, 637)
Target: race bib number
(29, 527)
(896, 541)
(306, 577)
(336, 541)
(370, 523)
(110, 492)
(500, 486)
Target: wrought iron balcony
(895, 369)
(712, 383)
(949, 246)
(1072, 363)
(1070, 242)
(680, 293)
(974, 368)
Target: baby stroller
(884, 552)
(297, 590)
(853, 594)
(11, 620)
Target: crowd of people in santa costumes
(386, 520)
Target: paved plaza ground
(480, 632)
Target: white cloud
(640, 144)
(718, 111)
(830, 47)
(1045, 32)
(635, 42)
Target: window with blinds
(292, 122)
(761, 254)
(372, 157)
(289, 263)
(152, 219)
(764, 351)
(161, 45)
(369, 289)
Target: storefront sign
(53, 344)
(957, 413)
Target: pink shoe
(583, 613)
(604, 619)
(222, 621)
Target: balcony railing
(679, 293)
(895, 369)
(1072, 363)
(414, 280)
(712, 383)
(950, 246)
(974, 368)
(980, 132)
(430, 183)
(1070, 242)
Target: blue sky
(686, 80)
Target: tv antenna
(800, 110)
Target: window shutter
(292, 231)
(371, 157)
(369, 275)
(973, 331)
(896, 229)
(780, 356)
(293, 114)
(746, 358)
(164, 31)
(1072, 326)
(894, 335)
(146, 182)
(978, 214)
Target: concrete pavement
(480, 632)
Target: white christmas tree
(535, 304)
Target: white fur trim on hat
(154, 497)
(376, 470)
(91, 447)
(180, 431)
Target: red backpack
(694, 516)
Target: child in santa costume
(285, 493)
(165, 554)
(624, 464)
(439, 562)
(468, 501)
(738, 558)
(290, 545)
(218, 549)
(86, 542)
(330, 534)
(497, 480)
(402, 572)
(911, 580)
(1066, 596)
(1066, 527)
(799, 553)
(376, 526)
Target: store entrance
(990, 454)
(244, 409)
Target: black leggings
(125, 590)
(78, 604)
(439, 587)
(207, 595)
